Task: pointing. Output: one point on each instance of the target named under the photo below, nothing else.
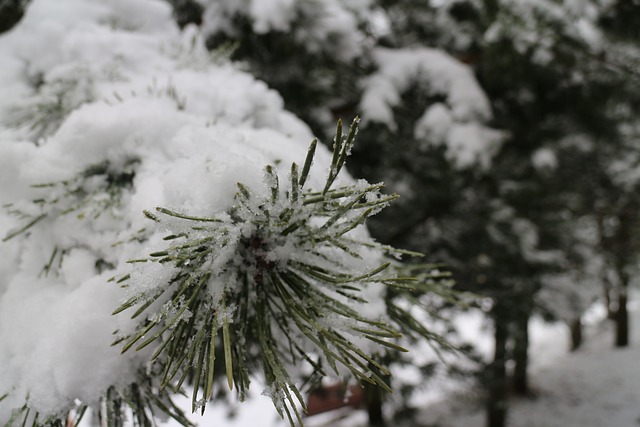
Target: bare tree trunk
(374, 399)
(624, 251)
(576, 333)
(607, 286)
(622, 245)
(521, 353)
(622, 318)
(497, 377)
(607, 289)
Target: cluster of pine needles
(234, 296)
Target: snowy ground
(594, 387)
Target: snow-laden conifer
(123, 140)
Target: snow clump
(457, 122)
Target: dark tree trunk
(374, 399)
(625, 248)
(622, 319)
(521, 353)
(607, 289)
(576, 333)
(497, 377)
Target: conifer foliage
(270, 272)
(166, 230)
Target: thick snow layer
(457, 122)
(400, 68)
(97, 57)
(107, 109)
(53, 337)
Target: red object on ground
(330, 397)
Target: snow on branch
(456, 122)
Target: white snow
(112, 89)
(435, 124)
(593, 387)
(457, 123)
(135, 94)
(399, 68)
(544, 159)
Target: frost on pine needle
(281, 271)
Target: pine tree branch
(279, 271)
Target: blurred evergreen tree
(556, 83)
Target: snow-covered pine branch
(280, 278)
(110, 111)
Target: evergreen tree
(163, 221)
